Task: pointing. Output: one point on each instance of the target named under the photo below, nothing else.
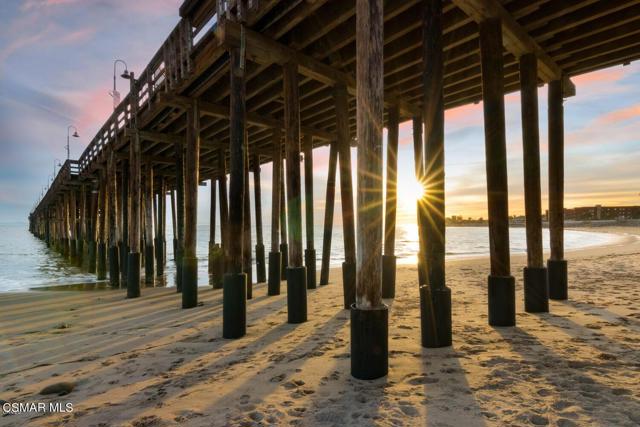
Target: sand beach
(147, 362)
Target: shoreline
(147, 362)
(621, 239)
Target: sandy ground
(146, 362)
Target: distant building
(599, 212)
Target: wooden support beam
(557, 265)
(275, 191)
(124, 214)
(536, 288)
(292, 146)
(391, 182)
(310, 252)
(224, 208)
(328, 215)
(433, 116)
(296, 272)
(501, 283)
(180, 171)
(247, 265)
(370, 102)
(149, 254)
(261, 271)
(495, 142)
(114, 231)
(531, 159)
(346, 195)
(135, 165)
(161, 226)
(191, 180)
(101, 258)
(515, 38)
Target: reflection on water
(27, 263)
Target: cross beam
(516, 39)
(264, 50)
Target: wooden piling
(435, 298)
(391, 201)
(369, 316)
(296, 272)
(101, 257)
(260, 255)
(275, 256)
(247, 266)
(310, 251)
(501, 283)
(224, 208)
(124, 213)
(531, 158)
(346, 195)
(149, 258)
(556, 265)
(284, 245)
(135, 166)
(113, 254)
(234, 312)
(179, 153)
(370, 104)
(212, 224)
(328, 215)
(191, 179)
(161, 221)
(536, 288)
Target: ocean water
(27, 263)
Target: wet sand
(146, 362)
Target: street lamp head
(75, 134)
(126, 75)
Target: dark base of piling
(435, 317)
(148, 264)
(502, 301)
(296, 294)
(261, 272)
(536, 290)
(234, 305)
(114, 266)
(273, 284)
(422, 270)
(310, 264)
(101, 261)
(284, 250)
(216, 266)
(133, 275)
(369, 342)
(349, 283)
(73, 251)
(388, 276)
(178, 258)
(124, 253)
(91, 264)
(175, 249)
(65, 248)
(189, 282)
(159, 249)
(558, 279)
(79, 252)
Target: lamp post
(75, 135)
(125, 75)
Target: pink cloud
(623, 114)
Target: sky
(56, 68)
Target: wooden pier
(241, 83)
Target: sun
(409, 191)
